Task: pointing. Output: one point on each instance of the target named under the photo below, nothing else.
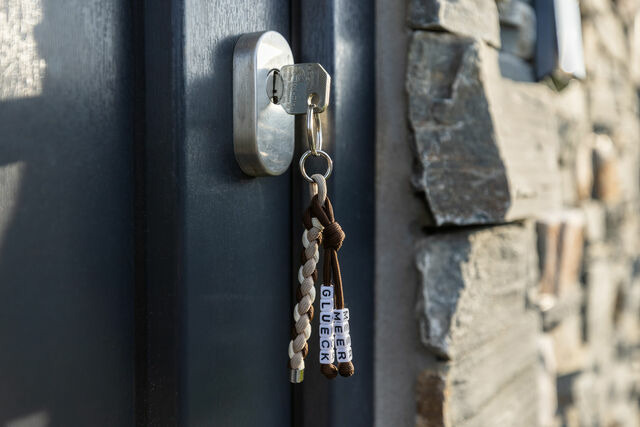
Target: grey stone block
(474, 286)
(515, 68)
(486, 146)
(473, 312)
(475, 18)
(611, 93)
(518, 28)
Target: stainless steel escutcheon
(263, 132)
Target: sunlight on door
(10, 178)
(21, 69)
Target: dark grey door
(66, 213)
(144, 279)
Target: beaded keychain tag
(321, 228)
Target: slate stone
(474, 317)
(476, 18)
(462, 174)
(515, 68)
(606, 170)
(518, 28)
(486, 146)
(473, 288)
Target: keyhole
(275, 86)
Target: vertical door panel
(66, 213)
(237, 242)
(219, 250)
(340, 34)
(220, 244)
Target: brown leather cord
(332, 238)
(329, 370)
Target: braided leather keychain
(320, 228)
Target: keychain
(320, 229)
(263, 143)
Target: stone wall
(528, 240)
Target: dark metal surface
(218, 240)
(339, 34)
(138, 265)
(159, 364)
(237, 236)
(66, 234)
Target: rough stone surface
(477, 18)
(583, 175)
(569, 348)
(494, 146)
(548, 231)
(595, 221)
(465, 276)
(634, 44)
(611, 94)
(590, 7)
(574, 131)
(560, 241)
(547, 373)
(570, 252)
(475, 169)
(463, 176)
(473, 312)
(515, 68)
(518, 29)
(606, 171)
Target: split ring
(314, 130)
(320, 153)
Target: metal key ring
(314, 130)
(320, 153)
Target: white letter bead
(326, 291)
(325, 318)
(343, 354)
(343, 340)
(341, 327)
(326, 343)
(341, 314)
(326, 357)
(325, 329)
(326, 304)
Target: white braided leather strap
(310, 241)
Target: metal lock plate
(263, 132)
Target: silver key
(294, 86)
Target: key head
(301, 81)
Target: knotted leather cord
(332, 238)
(318, 191)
